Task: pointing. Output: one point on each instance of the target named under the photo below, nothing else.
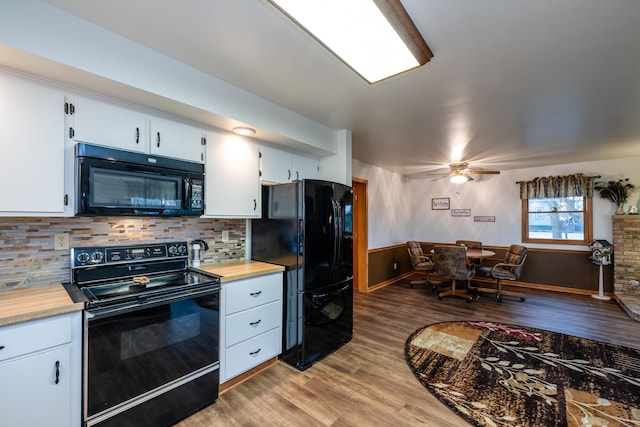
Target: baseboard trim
(505, 284)
(226, 386)
(388, 282)
(563, 289)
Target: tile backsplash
(28, 258)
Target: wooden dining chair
(453, 264)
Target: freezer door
(328, 322)
(327, 236)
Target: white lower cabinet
(40, 369)
(251, 323)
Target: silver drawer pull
(256, 322)
(255, 294)
(253, 353)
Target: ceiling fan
(460, 172)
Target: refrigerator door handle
(335, 213)
(339, 234)
(332, 293)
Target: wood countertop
(236, 270)
(22, 305)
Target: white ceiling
(513, 83)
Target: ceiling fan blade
(477, 172)
(440, 177)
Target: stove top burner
(155, 270)
(120, 291)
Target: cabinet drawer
(249, 323)
(27, 337)
(248, 293)
(247, 354)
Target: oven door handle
(102, 312)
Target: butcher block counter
(236, 270)
(22, 305)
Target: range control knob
(83, 257)
(96, 257)
(182, 249)
(172, 250)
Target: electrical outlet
(61, 241)
(225, 235)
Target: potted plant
(616, 191)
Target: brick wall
(28, 258)
(626, 246)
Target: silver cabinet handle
(255, 294)
(253, 353)
(257, 322)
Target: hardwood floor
(367, 382)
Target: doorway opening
(360, 238)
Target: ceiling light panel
(372, 44)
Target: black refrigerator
(307, 227)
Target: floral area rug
(493, 374)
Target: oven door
(136, 354)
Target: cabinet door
(305, 167)
(232, 181)
(275, 165)
(102, 123)
(31, 147)
(177, 140)
(31, 396)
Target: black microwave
(119, 182)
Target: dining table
(477, 253)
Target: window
(560, 220)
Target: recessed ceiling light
(244, 131)
(375, 38)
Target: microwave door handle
(187, 193)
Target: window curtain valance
(546, 187)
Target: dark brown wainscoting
(561, 270)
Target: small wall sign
(460, 212)
(440, 203)
(484, 219)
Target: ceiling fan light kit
(460, 172)
(459, 178)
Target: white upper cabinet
(280, 166)
(275, 165)
(305, 167)
(232, 177)
(102, 123)
(32, 146)
(105, 123)
(173, 139)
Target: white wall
(390, 216)
(337, 167)
(400, 208)
(498, 195)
